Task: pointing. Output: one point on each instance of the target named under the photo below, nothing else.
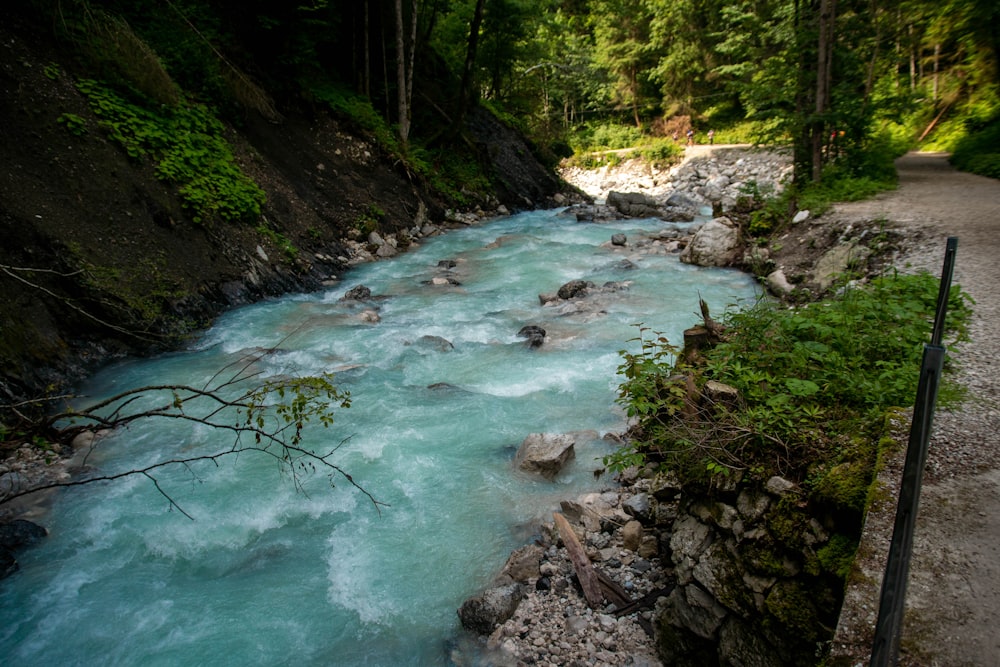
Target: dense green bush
(809, 379)
(659, 152)
(979, 152)
(607, 136)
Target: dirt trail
(953, 595)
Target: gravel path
(953, 595)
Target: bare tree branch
(12, 272)
(265, 417)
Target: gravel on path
(953, 592)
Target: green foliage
(456, 175)
(357, 109)
(292, 403)
(740, 132)
(369, 219)
(840, 345)
(267, 417)
(839, 186)
(74, 124)
(659, 152)
(840, 183)
(278, 239)
(608, 145)
(979, 152)
(188, 146)
(803, 376)
(604, 136)
(142, 289)
(837, 555)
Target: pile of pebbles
(553, 623)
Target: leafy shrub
(604, 137)
(977, 152)
(74, 124)
(659, 152)
(804, 376)
(985, 164)
(745, 132)
(357, 109)
(189, 149)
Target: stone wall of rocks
(750, 587)
(720, 576)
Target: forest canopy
(834, 78)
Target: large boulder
(357, 293)
(545, 454)
(715, 244)
(523, 564)
(20, 533)
(483, 612)
(837, 261)
(14, 536)
(533, 334)
(633, 204)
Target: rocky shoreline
(536, 613)
(550, 622)
(639, 533)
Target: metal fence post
(885, 647)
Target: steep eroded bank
(100, 258)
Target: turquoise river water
(267, 574)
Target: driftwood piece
(613, 591)
(645, 602)
(715, 330)
(585, 572)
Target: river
(270, 574)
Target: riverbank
(953, 598)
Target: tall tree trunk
(404, 67)
(805, 88)
(870, 78)
(937, 64)
(824, 81)
(634, 84)
(412, 57)
(367, 75)
(404, 103)
(465, 88)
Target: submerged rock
(357, 293)
(16, 535)
(534, 334)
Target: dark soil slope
(98, 258)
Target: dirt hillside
(98, 258)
